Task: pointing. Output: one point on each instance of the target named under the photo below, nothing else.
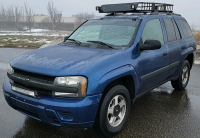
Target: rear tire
(114, 111)
(182, 81)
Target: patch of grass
(24, 45)
(196, 35)
(24, 41)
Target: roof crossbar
(136, 7)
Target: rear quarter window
(186, 28)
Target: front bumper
(69, 112)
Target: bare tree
(0, 14)
(10, 14)
(17, 15)
(3, 14)
(82, 17)
(58, 20)
(54, 14)
(7, 16)
(29, 16)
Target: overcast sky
(190, 9)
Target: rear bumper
(67, 112)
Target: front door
(153, 64)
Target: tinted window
(153, 30)
(178, 36)
(170, 29)
(186, 28)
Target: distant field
(34, 39)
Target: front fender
(116, 74)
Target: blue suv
(92, 77)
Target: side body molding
(117, 73)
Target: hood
(60, 60)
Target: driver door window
(153, 30)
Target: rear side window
(186, 28)
(153, 30)
(171, 36)
(178, 36)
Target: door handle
(165, 53)
(183, 47)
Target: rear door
(188, 38)
(175, 45)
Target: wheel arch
(125, 76)
(190, 58)
(116, 77)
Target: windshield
(116, 32)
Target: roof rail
(136, 7)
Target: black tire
(116, 92)
(181, 84)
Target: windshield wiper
(78, 42)
(103, 43)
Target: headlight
(10, 70)
(78, 82)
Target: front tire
(114, 111)
(182, 81)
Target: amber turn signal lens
(83, 86)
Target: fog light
(23, 91)
(64, 94)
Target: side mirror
(65, 38)
(150, 45)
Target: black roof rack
(136, 7)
